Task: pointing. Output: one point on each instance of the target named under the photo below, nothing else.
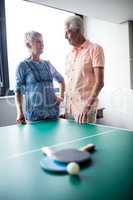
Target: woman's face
(37, 45)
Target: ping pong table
(110, 176)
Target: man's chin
(71, 43)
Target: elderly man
(84, 72)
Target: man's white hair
(75, 22)
(30, 36)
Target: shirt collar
(82, 46)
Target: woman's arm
(19, 105)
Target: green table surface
(109, 177)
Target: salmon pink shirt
(80, 64)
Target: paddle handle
(88, 148)
(47, 151)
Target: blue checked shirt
(35, 81)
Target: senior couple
(84, 72)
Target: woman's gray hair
(75, 22)
(30, 36)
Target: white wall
(116, 97)
(115, 11)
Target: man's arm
(19, 105)
(99, 83)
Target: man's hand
(81, 118)
(20, 119)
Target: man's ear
(28, 45)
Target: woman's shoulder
(23, 62)
(22, 65)
(48, 63)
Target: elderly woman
(84, 71)
(34, 79)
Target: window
(22, 16)
(4, 78)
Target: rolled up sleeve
(20, 78)
(56, 75)
(98, 57)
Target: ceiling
(116, 11)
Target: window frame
(130, 29)
(4, 75)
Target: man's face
(37, 45)
(72, 35)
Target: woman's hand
(20, 119)
(60, 99)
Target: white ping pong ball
(73, 168)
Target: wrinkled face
(37, 45)
(73, 35)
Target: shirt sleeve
(20, 78)
(98, 59)
(56, 75)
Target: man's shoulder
(94, 45)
